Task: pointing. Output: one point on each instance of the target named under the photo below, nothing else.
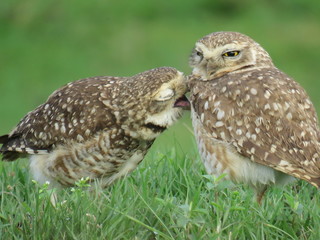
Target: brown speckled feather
(252, 122)
(82, 108)
(270, 124)
(99, 127)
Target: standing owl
(252, 122)
(99, 127)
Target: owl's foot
(260, 193)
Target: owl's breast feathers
(265, 115)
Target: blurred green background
(47, 43)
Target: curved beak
(211, 69)
(182, 102)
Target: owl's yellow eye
(231, 54)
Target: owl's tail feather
(4, 139)
(6, 154)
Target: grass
(167, 197)
(47, 43)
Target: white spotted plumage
(269, 128)
(98, 127)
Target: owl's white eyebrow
(230, 50)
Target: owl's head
(152, 101)
(219, 53)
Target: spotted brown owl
(99, 127)
(252, 122)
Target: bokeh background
(46, 43)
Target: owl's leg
(54, 199)
(39, 170)
(260, 193)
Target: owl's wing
(267, 117)
(74, 112)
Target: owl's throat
(221, 72)
(155, 128)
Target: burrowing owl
(99, 127)
(252, 122)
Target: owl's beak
(182, 102)
(211, 69)
(214, 71)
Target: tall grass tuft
(167, 197)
